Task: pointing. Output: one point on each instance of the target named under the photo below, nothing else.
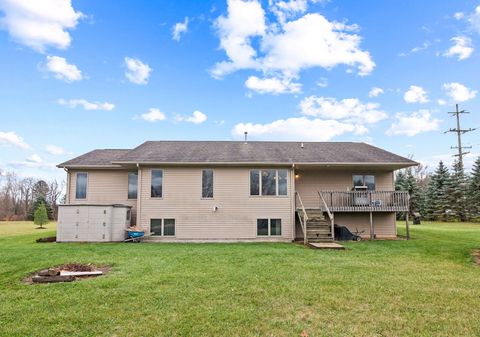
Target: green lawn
(424, 287)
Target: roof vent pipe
(301, 145)
(246, 134)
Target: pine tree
(473, 196)
(38, 201)
(456, 196)
(436, 203)
(40, 216)
(406, 181)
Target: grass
(427, 286)
(8, 228)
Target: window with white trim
(364, 180)
(269, 227)
(81, 185)
(207, 183)
(156, 186)
(162, 227)
(132, 185)
(268, 182)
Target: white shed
(93, 223)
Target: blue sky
(80, 75)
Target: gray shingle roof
(189, 152)
(101, 157)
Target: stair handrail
(305, 218)
(325, 205)
(330, 215)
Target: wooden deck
(366, 201)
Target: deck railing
(302, 216)
(366, 201)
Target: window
(255, 182)
(162, 227)
(364, 180)
(156, 184)
(269, 227)
(156, 226)
(81, 188)
(169, 227)
(132, 185)
(207, 183)
(268, 182)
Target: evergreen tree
(473, 196)
(406, 181)
(436, 203)
(40, 216)
(37, 202)
(456, 194)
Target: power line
(459, 131)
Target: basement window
(269, 227)
(162, 227)
(268, 182)
(81, 185)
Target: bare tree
(55, 191)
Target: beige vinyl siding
(103, 187)
(237, 213)
(384, 223)
(309, 182)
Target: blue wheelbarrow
(134, 236)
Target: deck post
(333, 226)
(407, 226)
(372, 230)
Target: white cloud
(55, 150)
(375, 91)
(137, 72)
(425, 45)
(322, 82)
(474, 19)
(73, 103)
(298, 128)
(349, 109)
(441, 102)
(34, 158)
(39, 24)
(197, 117)
(272, 85)
(153, 115)
(179, 28)
(31, 163)
(284, 49)
(415, 94)
(462, 48)
(458, 92)
(413, 124)
(11, 138)
(62, 70)
(244, 20)
(459, 15)
(288, 9)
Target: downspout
(67, 196)
(139, 195)
(292, 183)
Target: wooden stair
(318, 227)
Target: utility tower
(459, 132)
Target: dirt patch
(47, 239)
(476, 256)
(63, 273)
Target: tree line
(20, 197)
(444, 195)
